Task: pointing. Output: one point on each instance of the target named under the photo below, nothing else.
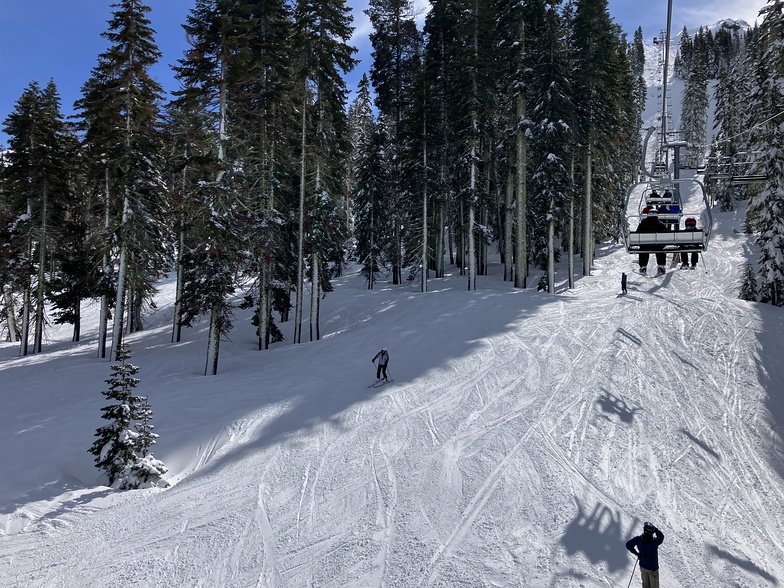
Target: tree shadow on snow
(599, 536)
(770, 372)
(701, 444)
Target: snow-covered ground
(525, 438)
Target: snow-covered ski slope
(526, 437)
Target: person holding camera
(646, 548)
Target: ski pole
(633, 570)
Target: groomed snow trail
(526, 437)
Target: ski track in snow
(531, 441)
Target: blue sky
(43, 39)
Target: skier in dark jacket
(383, 359)
(646, 548)
(652, 224)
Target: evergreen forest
(494, 127)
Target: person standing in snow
(646, 548)
(383, 359)
(623, 283)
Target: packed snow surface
(525, 438)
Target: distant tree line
(746, 153)
(499, 122)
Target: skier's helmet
(647, 529)
(691, 223)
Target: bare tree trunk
(471, 222)
(521, 161)
(264, 306)
(551, 248)
(213, 342)
(119, 307)
(508, 228)
(571, 241)
(588, 221)
(27, 293)
(40, 285)
(13, 334)
(103, 319)
(424, 209)
(314, 297)
(177, 324)
(301, 243)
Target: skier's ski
(379, 383)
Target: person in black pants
(383, 359)
(652, 224)
(646, 548)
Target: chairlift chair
(678, 240)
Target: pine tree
(604, 123)
(146, 470)
(551, 139)
(748, 288)
(323, 31)
(120, 119)
(37, 179)
(214, 256)
(727, 138)
(637, 57)
(514, 45)
(116, 443)
(684, 56)
(396, 63)
(767, 208)
(694, 105)
(373, 221)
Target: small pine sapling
(147, 471)
(122, 446)
(748, 287)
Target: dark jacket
(647, 547)
(382, 357)
(651, 224)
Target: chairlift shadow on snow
(615, 406)
(599, 536)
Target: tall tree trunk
(588, 221)
(213, 341)
(41, 278)
(471, 222)
(177, 324)
(508, 227)
(301, 243)
(27, 292)
(521, 161)
(571, 240)
(521, 250)
(551, 247)
(315, 287)
(13, 334)
(424, 206)
(265, 306)
(119, 307)
(77, 326)
(440, 241)
(103, 319)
